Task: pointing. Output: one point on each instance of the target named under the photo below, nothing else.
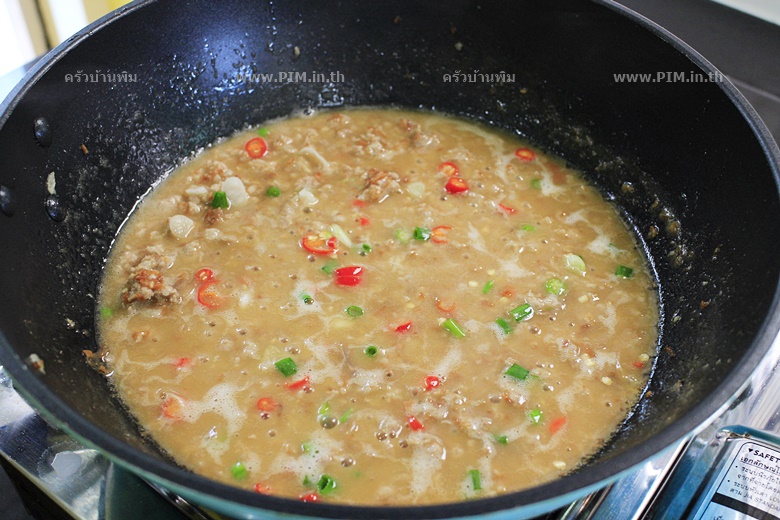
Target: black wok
(689, 164)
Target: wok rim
(533, 500)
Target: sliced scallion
(346, 415)
(535, 416)
(527, 227)
(326, 484)
(403, 236)
(307, 299)
(501, 439)
(371, 351)
(286, 366)
(273, 191)
(624, 272)
(262, 132)
(106, 312)
(220, 200)
(574, 263)
(555, 286)
(239, 471)
(536, 184)
(453, 328)
(476, 479)
(421, 233)
(329, 267)
(517, 372)
(341, 235)
(324, 408)
(523, 312)
(501, 322)
(365, 249)
(354, 311)
(489, 285)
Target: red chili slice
(404, 327)
(204, 275)
(444, 308)
(432, 382)
(310, 497)
(439, 234)
(349, 276)
(506, 209)
(320, 244)
(639, 364)
(557, 424)
(449, 168)
(297, 385)
(414, 424)
(263, 489)
(256, 148)
(358, 203)
(456, 185)
(182, 362)
(524, 154)
(207, 297)
(173, 407)
(266, 404)
(364, 221)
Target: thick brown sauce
(429, 417)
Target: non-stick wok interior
(676, 156)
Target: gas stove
(729, 470)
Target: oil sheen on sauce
(377, 307)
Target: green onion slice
(220, 200)
(354, 311)
(330, 266)
(239, 471)
(421, 233)
(371, 351)
(346, 415)
(517, 372)
(286, 366)
(489, 285)
(453, 328)
(273, 191)
(555, 286)
(624, 272)
(574, 263)
(324, 408)
(106, 312)
(535, 416)
(501, 439)
(523, 312)
(326, 484)
(262, 132)
(403, 236)
(536, 184)
(365, 248)
(476, 479)
(501, 322)
(527, 227)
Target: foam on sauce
(199, 305)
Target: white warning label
(748, 487)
